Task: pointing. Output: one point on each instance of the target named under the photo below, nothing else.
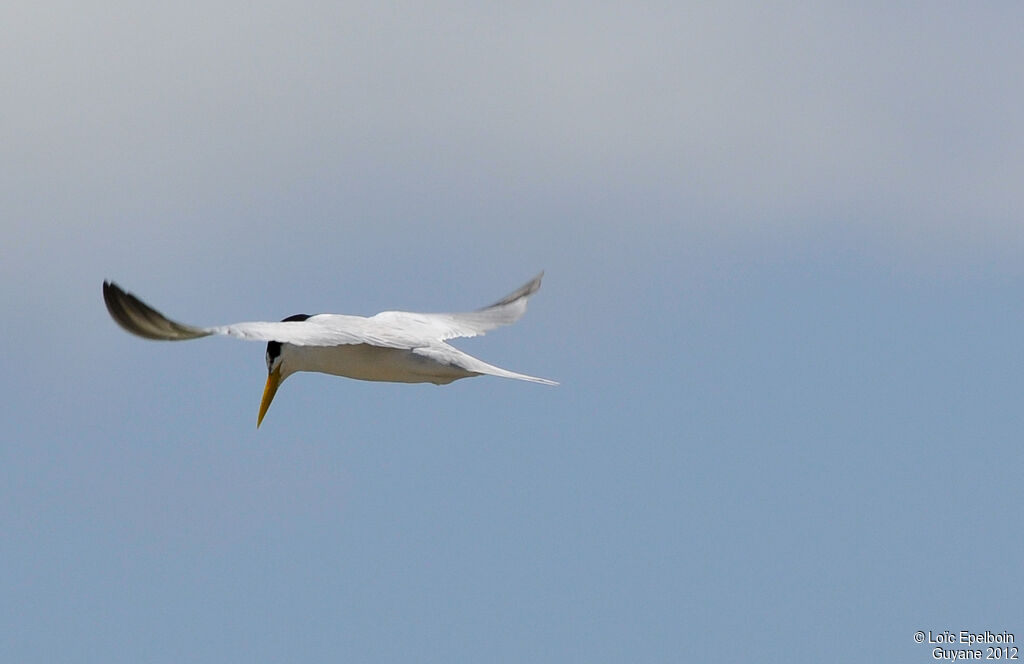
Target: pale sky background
(784, 249)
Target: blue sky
(783, 250)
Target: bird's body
(376, 363)
(392, 346)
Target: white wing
(505, 311)
(319, 330)
(391, 329)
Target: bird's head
(277, 369)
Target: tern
(392, 346)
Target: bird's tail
(449, 355)
(492, 370)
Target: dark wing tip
(140, 319)
(526, 290)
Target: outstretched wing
(439, 327)
(139, 318)
(390, 329)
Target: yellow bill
(273, 381)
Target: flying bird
(393, 346)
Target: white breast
(366, 362)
